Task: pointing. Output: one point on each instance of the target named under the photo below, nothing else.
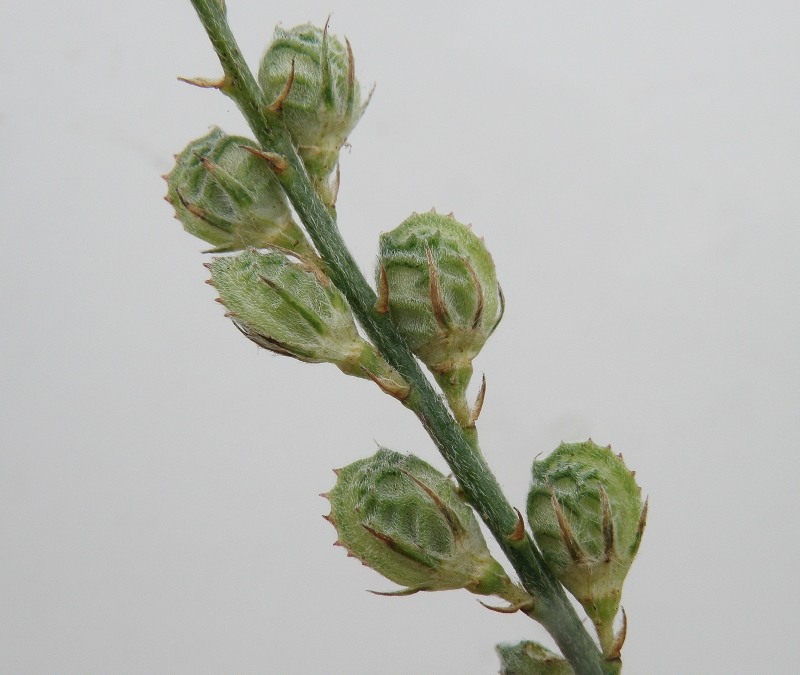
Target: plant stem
(553, 609)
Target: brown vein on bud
(397, 548)
(449, 515)
(476, 320)
(351, 76)
(640, 528)
(440, 312)
(269, 343)
(570, 543)
(276, 162)
(608, 524)
(502, 299)
(277, 105)
(325, 66)
(299, 307)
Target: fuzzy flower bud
(292, 308)
(438, 281)
(586, 513)
(310, 75)
(403, 518)
(530, 658)
(230, 198)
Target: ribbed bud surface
(323, 104)
(586, 513)
(441, 288)
(403, 518)
(287, 306)
(226, 196)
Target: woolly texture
(228, 197)
(403, 518)
(323, 104)
(287, 307)
(442, 288)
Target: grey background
(634, 169)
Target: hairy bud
(309, 75)
(438, 281)
(586, 513)
(230, 198)
(292, 308)
(530, 658)
(403, 518)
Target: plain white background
(634, 168)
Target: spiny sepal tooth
(586, 513)
(399, 594)
(277, 105)
(404, 519)
(527, 606)
(228, 197)
(220, 83)
(619, 639)
(519, 529)
(475, 413)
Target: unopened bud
(290, 307)
(230, 198)
(438, 281)
(586, 514)
(310, 76)
(287, 307)
(530, 658)
(405, 520)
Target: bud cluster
(437, 281)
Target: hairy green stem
(553, 609)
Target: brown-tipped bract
(228, 197)
(403, 518)
(587, 516)
(308, 76)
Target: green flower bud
(438, 281)
(530, 658)
(323, 101)
(404, 519)
(586, 513)
(230, 198)
(292, 308)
